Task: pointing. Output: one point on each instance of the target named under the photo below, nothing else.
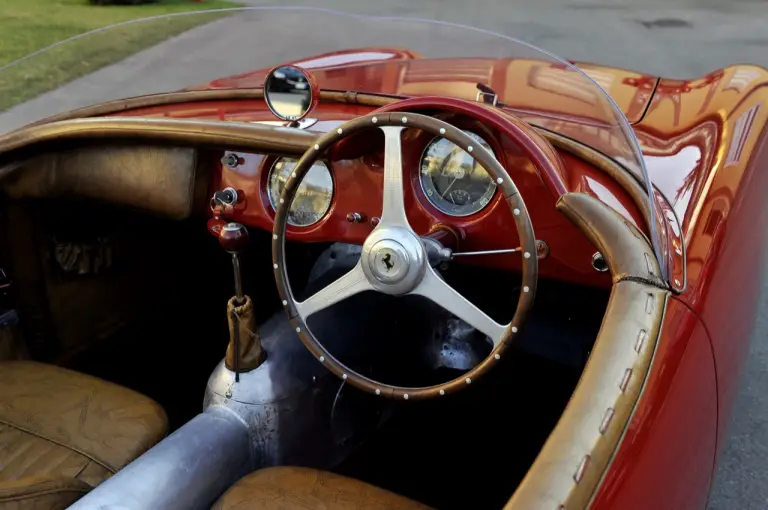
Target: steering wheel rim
(394, 237)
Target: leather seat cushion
(297, 488)
(62, 433)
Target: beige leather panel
(24, 455)
(160, 180)
(41, 493)
(568, 470)
(101, 421)
(296, 488)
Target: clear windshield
(234, 48)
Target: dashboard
(446, 190)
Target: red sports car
(383, 263)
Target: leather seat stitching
(68, 447)
(46, 492)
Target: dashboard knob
(231, 160)
(233, 237)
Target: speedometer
(312, 199)
(453, 181)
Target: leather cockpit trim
(194, 96)
(572, 463)
(655, 282)
(588, 154)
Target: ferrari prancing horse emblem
(387, 260)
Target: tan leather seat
(297, 488)
(62, 433)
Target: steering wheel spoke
(393, 206)
(437, 290)
(354, 282)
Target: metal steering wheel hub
(394, 258)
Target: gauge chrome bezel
(431, 201)
(268, 189)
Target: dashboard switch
(355, 217)
(232, 160)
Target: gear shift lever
(244, 351)
(233, 237)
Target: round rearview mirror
(290, 92)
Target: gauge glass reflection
(312, 199)
(454, 182)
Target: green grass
(29, 25)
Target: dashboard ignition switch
(227, 196)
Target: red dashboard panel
(358, 185)
(358, 189)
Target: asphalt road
(672, 38)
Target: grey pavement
(671, 38)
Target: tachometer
(313, 197)
(453, 181)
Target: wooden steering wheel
(394, 258)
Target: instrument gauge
(312, 199)
(452, 180)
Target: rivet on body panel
(641, 336)
(625, 380)
(649, 304)
(579, 474)
(649, 264)
(606, 420)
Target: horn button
(393, 260)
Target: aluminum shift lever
(233, 237)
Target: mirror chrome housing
(290, 92)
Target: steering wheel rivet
(274, 265)
(378, 391)
(469, 149)
(405, 396)
(442, 392)
(526, 289)
(274, 236)
(293, 175)
(514, 330)
(374, 120)
(469, 381)
(322, 359)
(442, 132)
(285, 302)
(339, 131)
(497, 356)
(298, 330)
(344, 376)
(405, 119)
(527, 255)
(499, 181)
